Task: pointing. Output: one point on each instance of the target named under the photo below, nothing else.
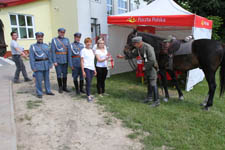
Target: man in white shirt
(18, 51)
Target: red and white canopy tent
(164, 17)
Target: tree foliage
(212, 9)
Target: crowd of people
(85, 62)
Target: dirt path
(66, 122)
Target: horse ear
(135, 32)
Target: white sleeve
(97, 52)
(82, 53)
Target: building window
(109, 7)
(133, 5)
(23, 25)
(122, 6)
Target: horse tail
(222, 73)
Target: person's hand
(34, 70)
(120, 56)
(72, 68)
(84, 74)
(95, 73)
(107, 57)
(55, 64)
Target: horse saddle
(185, 48)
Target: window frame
(17, 26)
(121, 8)
(109, 6)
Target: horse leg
(162, 73)
(174, 81)
(205, 101)
(210, 77)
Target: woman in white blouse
(88, 66)
(101, 54)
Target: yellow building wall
(42, 20)
(64, 14)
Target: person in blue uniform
(76, 48)
(40, 62)
(60, 49)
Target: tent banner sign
(170, 20)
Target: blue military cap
(137, 39)
(77, 34)
(61, 29)
(39, 33)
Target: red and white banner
(167, 20)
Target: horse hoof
(181, 98)
(165, 100)
(203, 104)
(205, 108)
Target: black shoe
(60, 85)
(155, 104)
(27, 80)
(39, 96)
(50, 93)
(65, 85)
(16, 81)
(66, 90)
(76, 87)
(82, 91)
(148, 99)
(60, 90)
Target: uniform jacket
(56, 46)
(40, 51)
(147, 53)
(75, 51)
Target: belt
(43, 59)
(77, 56)
(61, 53)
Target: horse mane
(153, 40)
(145, 34)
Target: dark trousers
(19, 67)
(40, 76)
(101, 76)
(61, 70)
(89, 76)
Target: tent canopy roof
(161, 13)
(159, 8)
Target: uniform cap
(137, 39)
(61, 29)
(169, 38)
(39, 34)
(77, 34)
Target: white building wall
(84, 18)
(99, 11)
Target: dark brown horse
(205, 53)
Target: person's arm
(16, 47)
(70, 56)
(99, 59)
(32, 59)
(129, 54)
(49, 57)
(82, 64)
(53, 48)
(151, 58)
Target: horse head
(129, 46)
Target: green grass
(33, 104)
(178, 125)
